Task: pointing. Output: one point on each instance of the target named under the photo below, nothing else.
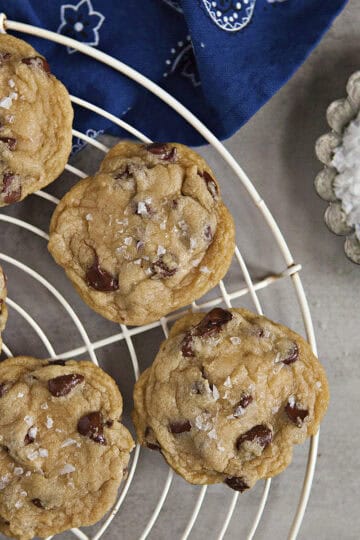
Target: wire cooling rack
(126, 335)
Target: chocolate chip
(162, 150)
(110, 423)
(100, 279)
(210, 183)
(38, 62)
(6, 449)
(10, 193)
(295, 414)
(4, 388)
(28, 438)
(288, 351)
(161, 269)
(174, 204)
(245, 401)
(260, 434)
(186, 346)
(9, 141)
(62, 385)
(212, 322)
(37, 503)
(237, 483)
(91, 425)
(208, 233)
(57, 363)
(153, 446)
(180, 426)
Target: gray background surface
(276, 150)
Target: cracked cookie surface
(35, 121)
(146, 235)
(228, 396)
(3, 308)
(63, 450)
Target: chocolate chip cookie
(3, 309)
(146, 235)
(35, 121)
(63, 449)
(228, 396)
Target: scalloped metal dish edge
(339, 114)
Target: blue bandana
(223, 59)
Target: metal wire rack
(291, 270)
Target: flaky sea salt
(32, 455)
(49, 422)
(291, 401)
(205, 270)
(239, 411)
(235, 340)
(228, 382)
(215, 392)
(141, 208)
(67, 468)
(196, 262)
(33, 432)
(11, 83)
(128, 241)
(20, 395)
(18, 504)
(347, 183)
(44, 406)
(29, 420)
(212, 434)
(43, 452)
(202, 421)
(318, 384)
(88, 217)
(193, 243)
(69, 442)
(4, 480)
(18, 471)
(161, 250)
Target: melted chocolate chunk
(152, 443)
(161, 269)
(62, 385)
(110, 423)
(208, 233)
(163, 151)
(260, 434)
(57, 363)
(10, 194)
(292, 355)
(212, 322)
(180, 426)
(237, 483)
(91, 425)
(9, 141)
(38, 62)
(28, 438)
(295, 414)
(210, 183)
(186, 346)
(245, 401)
(100, 279)
(37, 503)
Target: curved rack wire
(291, 271)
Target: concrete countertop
(276, 149)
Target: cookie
(35, 121)
(228, 396)
(3, 309)
(146, 235)
(63, 450)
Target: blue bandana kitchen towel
(223, 59)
